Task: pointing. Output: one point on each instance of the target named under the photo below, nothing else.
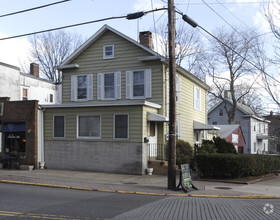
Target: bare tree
(271, 84)
(50, 49)
(227, 67)
(188, 45)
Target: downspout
(41, 152)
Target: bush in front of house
(184, 152)
(236, 165)
(217, 145)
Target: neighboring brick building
(19, 131)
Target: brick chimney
(146, 39)
(34, 69)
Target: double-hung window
(121, 126)
(138, 84)
(178, 89)
(1, 108)
(109, 86)
(108, 51)
(81, 87)
(197, 99)
(89, 126)
(59, 126)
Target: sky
(209, 14)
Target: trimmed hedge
(236, 165)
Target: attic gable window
(108, 51)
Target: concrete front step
(160, 167)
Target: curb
(139, 193)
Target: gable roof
(96, 36)
(154, 55)
(247, 110)
(226, 130)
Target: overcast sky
(211, 16)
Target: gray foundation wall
(109, 157)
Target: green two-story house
(115, 105)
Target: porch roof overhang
(201, 126)
(157, 117)
(264, 137)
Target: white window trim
(21, 92)
(113, 52)
(88, 138)
(178, 128)
(178, 90)
(195, 98)
(101, 86)
(147, 84)
(74, 87)
(127, 127)
(64, 132)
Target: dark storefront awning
(14, 127)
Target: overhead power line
(129, 17)
(31, 9)
(194, 24)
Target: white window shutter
(100, 86)
(148, 83)
(118, 85)
(129, 84)
(73, 87)
(90, 86)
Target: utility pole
(172, 97)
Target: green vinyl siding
(126, 59)
(107, 121)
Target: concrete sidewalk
(138, 184)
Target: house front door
(153, 138)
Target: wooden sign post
(185, 178)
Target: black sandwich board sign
(185, 178)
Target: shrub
(218, 145)
(236, 165)
(184, 152)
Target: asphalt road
(31, 202)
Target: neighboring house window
(58, 126)
(81, 87)
(178, 128)
(108, 51)
(197, 99)
(254, 127)
(214, 122)
(51, 98)
(178, 89)
(138, 84)
(89, 126)
(264, 147)
(121, 127)
(221, 112)
(109, 86)
(24, 94)
(255, 147)
(1, 108)
(260, 127)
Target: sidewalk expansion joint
(139, 193)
